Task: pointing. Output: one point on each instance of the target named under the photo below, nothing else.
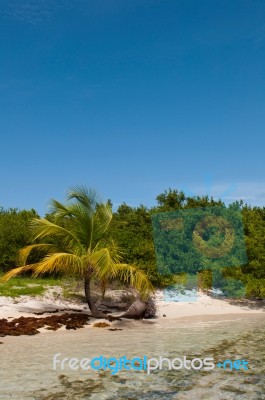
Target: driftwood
(136, 310)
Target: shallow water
(27, 373)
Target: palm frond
(135, 277)
(103, 263)
(60, 262)
(89, 198)
(102, 219)
(42, 228)
(39, 248)
(16, 271)
(81, 223)
(58, 209)
(87, 218)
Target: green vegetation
(131, 229)
(73, 242)
(14, 234)
(19, 286)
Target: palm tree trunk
(92, 306)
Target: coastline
(208, 305)
(206, 308)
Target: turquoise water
(172, 294)
(27, 374)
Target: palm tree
(74, 242)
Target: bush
(151, 308)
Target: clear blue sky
(131, 98)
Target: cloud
(252, 193)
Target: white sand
(27, 305)
(206, 305)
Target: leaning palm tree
(74, 242)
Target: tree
(253, 274)
(14, 234)
(171, 200)
(132, 230)
(73, 241)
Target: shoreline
(41, 306)
(73, 315)
(208, 305)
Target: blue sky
(131, 98)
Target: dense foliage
(14, 234)
(74, 244)
(131, 228)
(133, 231)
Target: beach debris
(115, 329)
(136, 310)
(100, 324)
(30, 325)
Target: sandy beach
(210, 327)
(205, 306)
